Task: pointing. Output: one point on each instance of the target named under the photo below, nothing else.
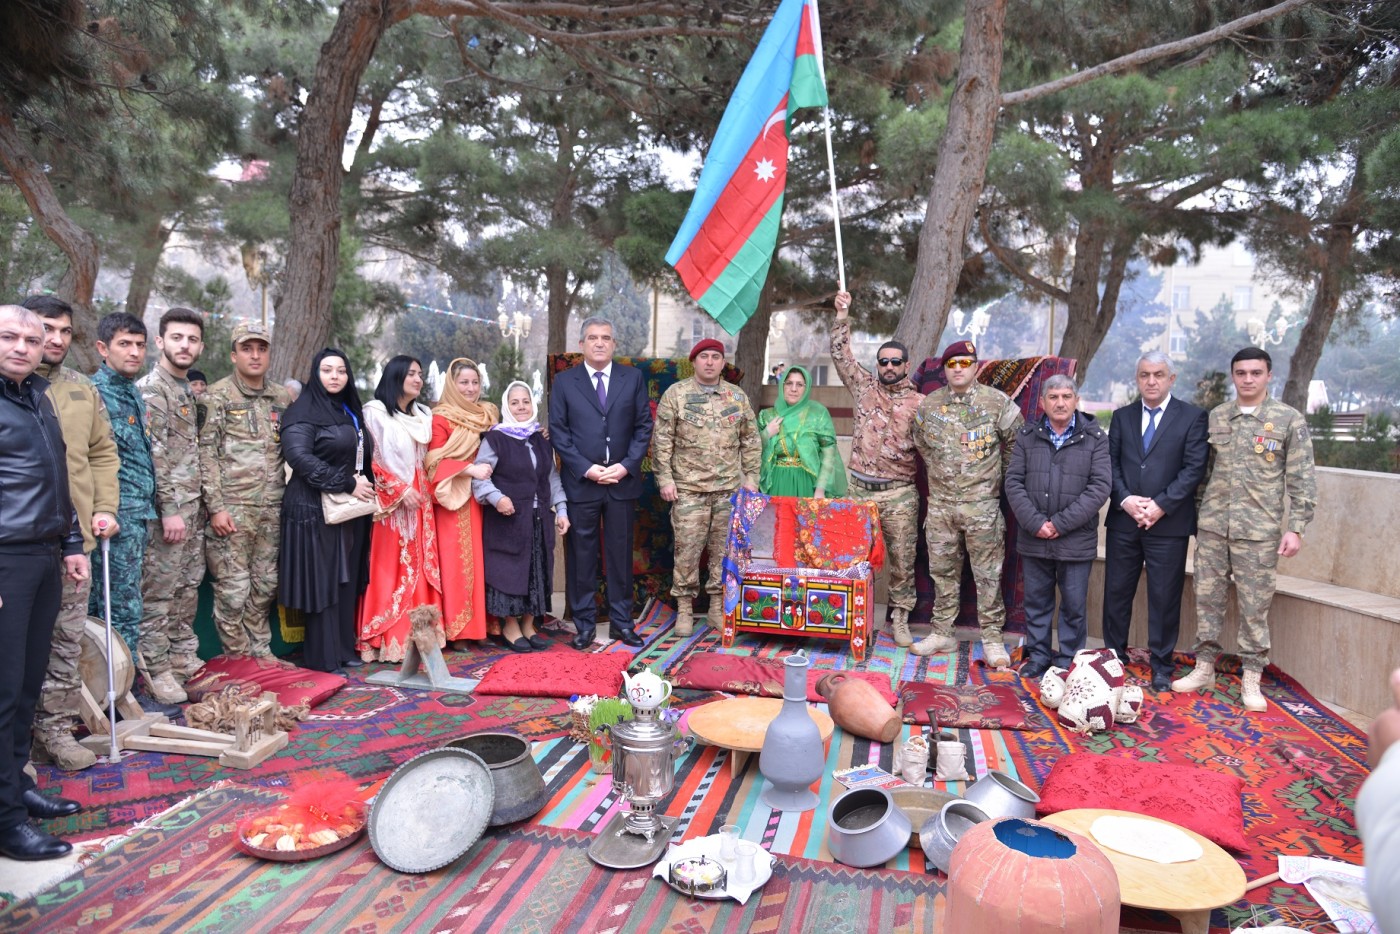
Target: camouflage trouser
(127, 554)
(244, 566)
(58, 699)
(978, 530)
(1253, 565)
(170, 588)
(899, 523)
(697, 520)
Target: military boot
(715, 616)
(1250, 695)
(1200, 678)
(935, 644)
(899, 627)
(185, 667)
(166, 689)
(685, 616)
(58, 747)
(995, 654)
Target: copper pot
(858, 708)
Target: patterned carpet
(1301, 766)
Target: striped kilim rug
(182, 873)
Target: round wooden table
(1187, 890)
(739, 724)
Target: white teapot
(645, 690)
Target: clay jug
(858, 708)
(792, 757)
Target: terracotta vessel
(1028, 877)
(858, 708)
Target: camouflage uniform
(138, 492)
(882, 461)
(706, 443)
(92, 481)
(170, 579)
(966, 441)
(1258, 463)
(240, 455)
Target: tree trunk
(79, 246)
(143, 271)
(313, 252)
(751, 347)
(958, 178)
(556, 280)
(1337, 244)
(1091, 315)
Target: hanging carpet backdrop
(1300, 765)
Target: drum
(92, 664)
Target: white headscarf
(509, 424)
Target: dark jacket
(34, 503)
(1066, 487)
(584, 433)
(507, 540)
(1167, 473)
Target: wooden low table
(740, 723)
(1187, 890)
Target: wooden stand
(422, 651)
(740, 723)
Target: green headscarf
(807, 434)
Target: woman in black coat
(324, 568)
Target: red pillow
(292, 685)
(558, 672)
(971, 706)
(763, 677)
(1191, 796)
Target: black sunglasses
(890, 361)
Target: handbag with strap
(342, 507)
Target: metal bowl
(1000, 795)
(919, 804)
(864, 828)
(520, 789)
(431, 810)
(941, 833)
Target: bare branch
(1008, 259)
(1143, 56)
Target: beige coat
(92, 449)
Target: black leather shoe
(626, 636)
(584, 639)
(1161, 683)
(1033, 670)
(47, 808)
(151, 705)
(538, 642)
(27, 842)
(519, 645)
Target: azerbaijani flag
(726, 243)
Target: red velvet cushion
(1192, 796)
(744, 674)
(292, 685)
(971, 706)
(558, 672)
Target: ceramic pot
(865, 828)
(1062, 882)
(858, 708)
(1000, 795)
(520, 789)
(943, 831)
(792, 757)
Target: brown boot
(715, 616)
(1250, 695)
(57, 746)
(685, 616)
(166, 689)
(899, 627)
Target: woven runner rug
(182, 873)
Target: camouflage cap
(251, 330)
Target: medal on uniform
(943, 409)
(1269, 457)
(1259, 449)
(1268, 426)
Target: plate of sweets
(315, 821)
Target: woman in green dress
(799, 443)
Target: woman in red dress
(403, 559)
(459, 421)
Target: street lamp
(975, 327)
(514, 326)
(1261, 336)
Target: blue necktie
(602, 391)
(1151, 427)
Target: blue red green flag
(726, 243)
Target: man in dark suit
(600, 425)
(1158, 449)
